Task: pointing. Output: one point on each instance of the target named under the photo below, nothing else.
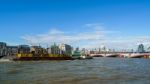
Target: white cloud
(55, 35)
(94, 36)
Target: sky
(121, 24)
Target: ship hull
(42, 58)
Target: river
(95, 71)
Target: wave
(5, 60)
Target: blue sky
(120, 20)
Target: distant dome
(102, 46)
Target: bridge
(122, 54)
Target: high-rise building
(148, 49)
(65, 49)
(141, 48)
(3, 49)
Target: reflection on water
(96, 71)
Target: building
(103, 48)
(54, 49)
(12, 50)
(76, 53)
(23, 49)
(3, 49)
(49, 50)
(148, 49)
(65, 49)
(85, 51)
(37, 50)
(141, 48)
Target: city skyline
(84, 23)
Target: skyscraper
(66, 49)
(3, 48)
(141, 48)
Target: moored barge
(31, 57)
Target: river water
(97, 71)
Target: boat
(85, 57)
(31, 57)
(35, 53)
(78, 55)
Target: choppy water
(96, 71)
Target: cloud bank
(92, 36)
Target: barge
(31, 57)
(37, 53)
